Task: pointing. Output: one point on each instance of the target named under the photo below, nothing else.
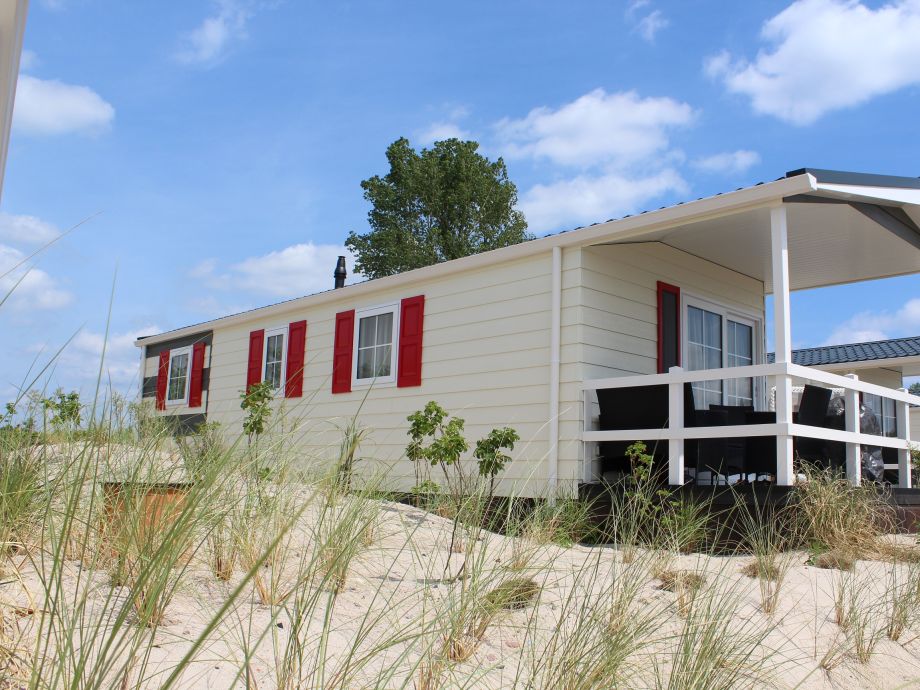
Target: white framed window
(884, 411)
(177, 380)
(717, 337)
(274, 358)
(375, 345)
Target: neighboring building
(525, 335)
(882, 362)
(12, 25)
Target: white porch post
(675, 422)
(903, 420)
(851, 418)
(782, 337)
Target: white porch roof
(850, 227)
(842, 228)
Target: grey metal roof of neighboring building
(855, 352)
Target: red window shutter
(194, 383)
(411, 323)
(668, 327)
(297, 345)
(162, 379)
(342, 351)
(254, 369)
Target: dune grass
(315, 584)
(131, 559)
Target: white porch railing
(783, 429)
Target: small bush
(758, 569)
(834, 559)
(685, 584)
(513, 594)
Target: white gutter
(555, 346)
(632, 227)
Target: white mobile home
(636, 328)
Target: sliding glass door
(717, 339)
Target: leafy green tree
(914, 388)
(256, 402)
(445, 446)
(65, 409)
(489, 453)
(439, 204)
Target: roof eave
(630, 227)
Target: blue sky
(215, 148)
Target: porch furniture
(812, 411)
(646, 407)
(760, 451)
(721, 457)
(677, 441)
(642, 407)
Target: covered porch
(739, 421)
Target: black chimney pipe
(340, 273)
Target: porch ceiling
(832, 240)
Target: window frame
(887, 430)
(173, 354)
(269, 332)
(727, 313)
(367, 312)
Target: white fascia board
(631, 228)
(871, 194)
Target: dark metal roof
(855, 352)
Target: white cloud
(587, 199)
(878, 325)
(439, 131)
(618, 142)
(648, 25)
(614, 129)
(52, 107)
(80, 359)
(651, 24)
(208, 43)
(35, 290)
(824, 55)
(294, 271)
(26, 229)
(636, 5)
(730, 162)
(213, 308)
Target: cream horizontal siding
(618, 308)
(485, 358)
(619, 311)
(890, 378)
